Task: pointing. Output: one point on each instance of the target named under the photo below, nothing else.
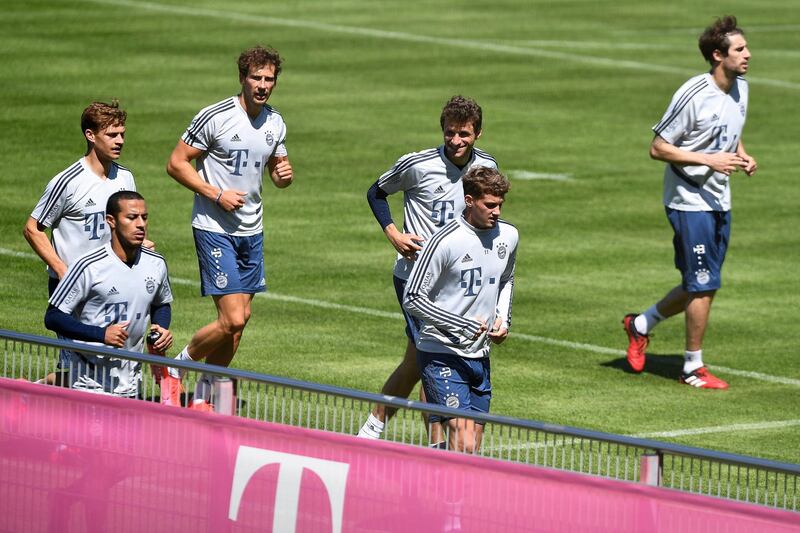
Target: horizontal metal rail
(330, 408)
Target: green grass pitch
(569, 88)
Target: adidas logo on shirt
(439, 190)
(466, 259)
(235, 138)
(90, 203)
(112, 291)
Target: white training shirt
(99, 289)
(432, 192)
(74, 207)
(702, 118)
(236, 150)
(462, 276)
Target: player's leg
(446, 381)
(466, 434)
(402, 380)
(708, 236)
(639, 326)
(233, 318)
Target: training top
(235, 154)
(432, 192)
(463, 275)
(702, 118)
(74, 207)
(99, 289)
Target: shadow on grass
(667, 366)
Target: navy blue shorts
(700, 242)
(454, 381)
(413, 324)
(229, 264)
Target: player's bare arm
(406, 244)
(181, 169)
(34, 233)
(280, 170)
(725, 162)
(750, 165)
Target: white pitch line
(461, 44)
(528, 175)
(777, 424)
(397, 316)
(569, 441)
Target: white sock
(178, 373)
(372, 428)
(648, 320)
(203, 388)
(692, 360)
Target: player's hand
(406, 244)
(116, 334)
(725, 162)
(164, 342)
(498, 333)
(750, 166)
(282, 175)
(150, 245)
(231, 200)
(481, 330)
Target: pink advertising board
(74, 461)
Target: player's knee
(233, 325)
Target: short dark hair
(100, 115)
(717, 37)
(461, 110)
(258, 56)
(480, 181)
(112, 206)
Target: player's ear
(478, 134)
(469, 200)
(89, 134)
(717, 56)
(111, 221)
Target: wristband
(216, 200)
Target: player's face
(130, 225)
(108, 142)
(459, 140)
(738, 58)
(258, 85)
(483, 212)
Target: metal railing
(323, 407)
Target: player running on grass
(108, 296)
(74, 201)
(700, 139)
(461, 289)
(433, 196)
(234, 142)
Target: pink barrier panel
(74, 461)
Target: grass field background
(569, 88)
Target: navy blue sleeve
(380, 207)
(72, 328)
(161, 315)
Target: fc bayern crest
(501, 251)
(150, 285)
(221, 281)
(452, 401)
(703, 277)
(270, 138)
